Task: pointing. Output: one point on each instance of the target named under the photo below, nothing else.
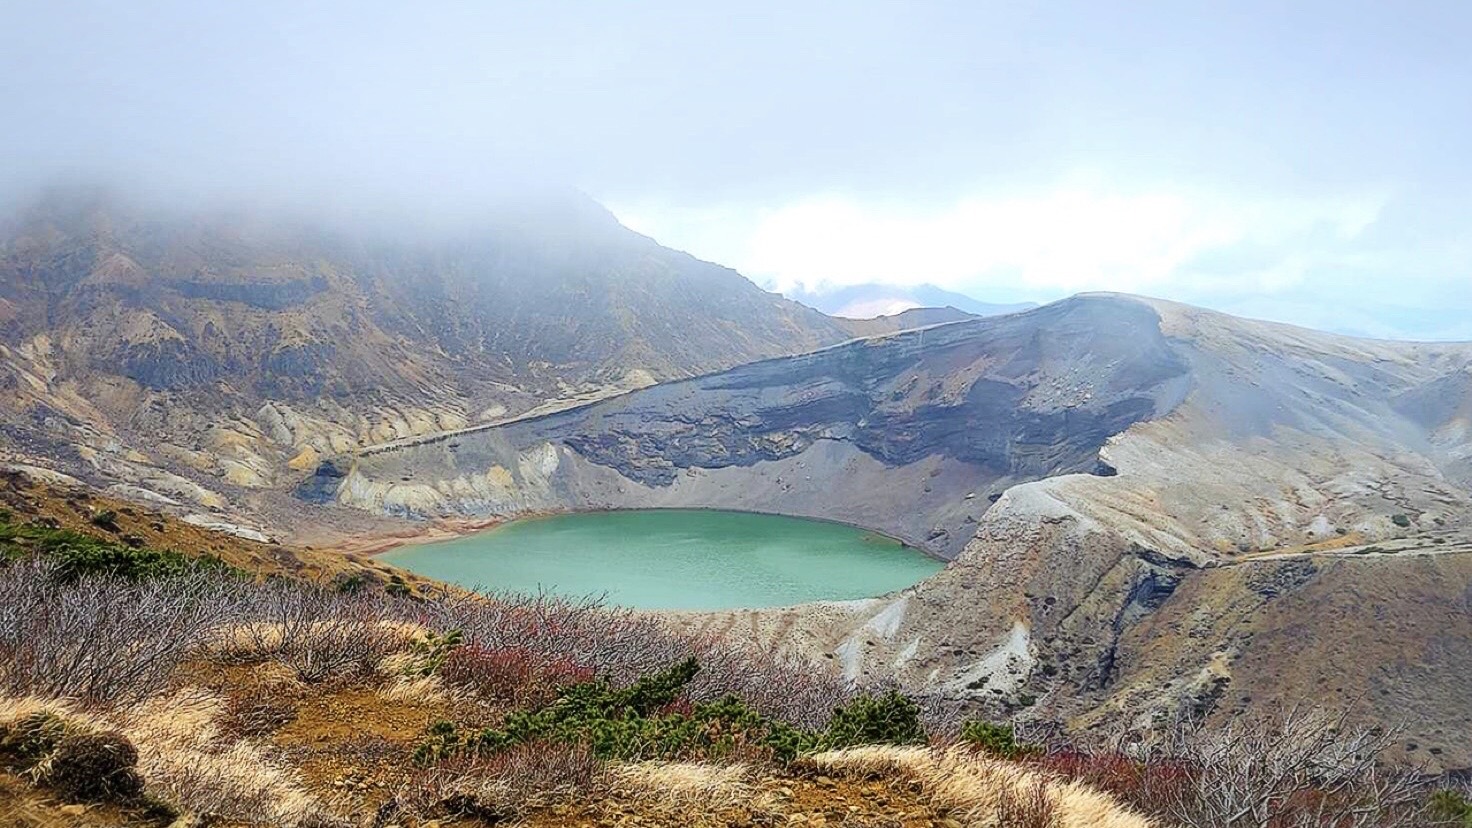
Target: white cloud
(1309, 261)
(1064, 240)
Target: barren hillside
(1154, 509)
(207, 356)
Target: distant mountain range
(875, 299)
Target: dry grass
(15, 709)
(416, 690)
(984, 792)
(313, 649)
(402, 684)
(686, 786)
(186, 760)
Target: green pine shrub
(78, 555)
(1452, 808)
(996, 739)
(648, 720)
(890, 719)
(431, 651)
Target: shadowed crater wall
(911, 433)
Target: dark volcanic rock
(965, 410)
(267, 295)
(167, 364)
(321, 487)
(1015, 395)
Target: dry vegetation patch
(980, 791)
(149, 691)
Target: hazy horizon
(1299, 164)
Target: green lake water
(692, 559)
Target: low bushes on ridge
(110, 629)
(645, 720)
(75, 555)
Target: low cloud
(1317, 261)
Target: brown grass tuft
(186, 760)
(984, 792)
(674, 787)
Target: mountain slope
(902, 321)
(1194, 514)
(234, 347)
(909, 433)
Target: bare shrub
(791, 689)
(517, 676)
(621, 646)
(1303, 768)
(316, 632)
(506, 785)
(101, 639)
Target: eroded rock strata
(1154, 510)
(913, 434)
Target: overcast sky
(1303, 161)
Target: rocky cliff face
(955, 414)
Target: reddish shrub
(681, 706)
(515, 675)
(1151, 786)
(505, 786)
(561, 672)
(622, 646)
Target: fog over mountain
(1302, 163)
(1095, 374)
